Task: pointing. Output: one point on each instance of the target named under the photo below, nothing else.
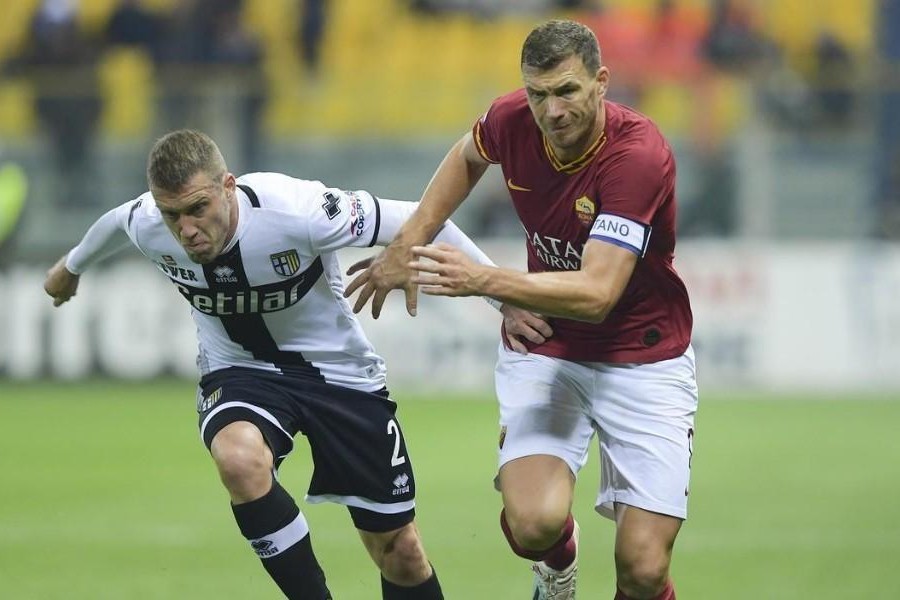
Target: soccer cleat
(550, 584)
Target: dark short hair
(179, 155)
(553, 42)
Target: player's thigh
(230, 397)
(360, 457)
(543, 409)
(645, 415)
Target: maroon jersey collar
(580, 162)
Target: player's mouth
(196, 247)
(560, 128)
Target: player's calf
(279, 534)
(405, 570)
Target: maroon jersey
(620, 191)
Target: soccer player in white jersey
(280, 350)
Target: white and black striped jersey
(273, 299)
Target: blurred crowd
(207, 46)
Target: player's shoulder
(140, 212)
(635, 134)
(628, 124)
(510, 107)
(278, 192)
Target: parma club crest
(207, 402)
(585, 210)
(285, 263)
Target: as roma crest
(585, 211)
(285, 263)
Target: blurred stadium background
(785, 117)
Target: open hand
(380, 274)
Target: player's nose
(187, 228)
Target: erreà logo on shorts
(264, 547)
(401, 484)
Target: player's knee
(642, 573)
(244, 461)
(535, 531)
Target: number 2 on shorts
(396, 459)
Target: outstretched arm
(457, 174)
(104, 238)
(585, 295)
(396, 213)
(518, 323)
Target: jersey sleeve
(485, 132)
(638, 181)
(107, 236)
(340, 218)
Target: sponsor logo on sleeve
(623, 232)
(331, 205)
(357, 215)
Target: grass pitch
(107, 493)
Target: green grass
(107, 493)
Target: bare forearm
(451, 183)
(565, 294)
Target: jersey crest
(285, 263)
(585, 210)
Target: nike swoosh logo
(513, 186)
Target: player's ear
(603, 80)
(229, 182)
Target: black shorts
(358, 451)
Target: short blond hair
(181, 154)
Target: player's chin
(201, 258)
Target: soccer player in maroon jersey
(596, 335)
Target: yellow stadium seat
(17, 116)
(127, 87)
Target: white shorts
(643, 415)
